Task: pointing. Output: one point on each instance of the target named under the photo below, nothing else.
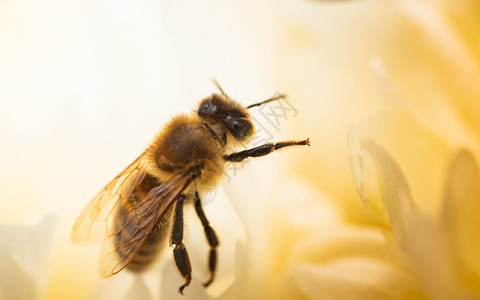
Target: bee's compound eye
(241, 128)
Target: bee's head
(219, 108)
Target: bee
(143, 206)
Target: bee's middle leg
(180, 254)
(211, 238)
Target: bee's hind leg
(180, 254)
(211, 238)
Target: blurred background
(85, 85)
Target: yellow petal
(393, 191)
(422, 155)
(356, 278)
(461, 219)
(334, 241)
(438, 77)
(410, 229)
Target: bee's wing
(122, 244)
(91, 224)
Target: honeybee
(144, 204)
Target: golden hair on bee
(183, 143)
(142, 207)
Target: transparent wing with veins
(90, 226)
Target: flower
(415, 163)
(405, 138)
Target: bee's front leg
(180, 254)
(263, 150)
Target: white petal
(171, 280)
(138, 290)
(24, 258)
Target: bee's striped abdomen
(150, 250)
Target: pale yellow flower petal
(422, 155)
(410, 230)
(356, 278)
(394, 194)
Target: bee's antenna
(215, 82)
(281, 96)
